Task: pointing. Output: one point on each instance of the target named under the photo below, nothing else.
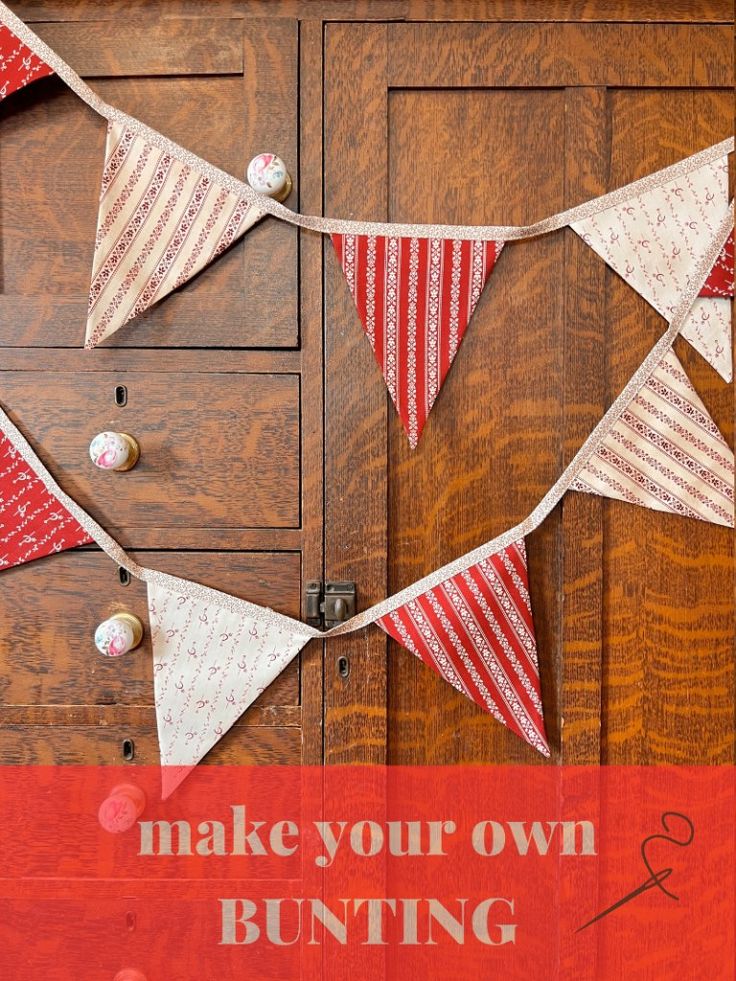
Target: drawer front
(50, 609)
(192, 84)
(218, 450)
(117, 742)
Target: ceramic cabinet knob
(118, 635)
(268, 175)
(114, 451)
(121, 808)
(129, 974)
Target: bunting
(210, 663)
(160, 222)
(19, 66)
(654, 239)
(33, 523)
(476, 631)
(665, 452)
(415, 297)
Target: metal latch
(329, 605)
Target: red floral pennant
(720, 279)
(476, 631)
(19, 66)
(415, 297)
(32, 521)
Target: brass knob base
(133, 455)
(285, 190)
(135, 625)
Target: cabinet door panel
(197, 89)
(465, 123)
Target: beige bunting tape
(521, 530)
(329, 226)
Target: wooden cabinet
(507, 123)
(210, 383)
(270, 454)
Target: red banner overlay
(368, 872)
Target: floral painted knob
(129, 974)
(114, 451)
(118, 635)
(121, 808)
(268, 175)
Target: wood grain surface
(551, 103)
(217, 450)
(50, 609)
(490, 448)
(227, 92)
(62, 703)
(219, 424)
(702, 11)
(560, 55)
(633, 609)
(356, 542)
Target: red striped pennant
(415, 297)
(477, 632)
(32, 521)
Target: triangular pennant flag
(654, 239)
(209, 664)
(415, 297)
(720, 279)
(33, 523)
(19, 66)
(160, 222)
(476, 631)
(665, 452)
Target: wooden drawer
(218, 450)
(102, 744)
(49, 610)
(195, 86)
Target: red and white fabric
(32, 521)
(653, 241)
(19, 66)
(720, 279)
(666, 453)
(477, 632)
(415, 297)
(209, 664)
(160, 222)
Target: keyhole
(343, 667)
(121, 395)
(128, 750)
(124, 576)
(130, 921)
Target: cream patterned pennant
(160, 222)
(209, 664)
(653, 241)
(665, 452)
